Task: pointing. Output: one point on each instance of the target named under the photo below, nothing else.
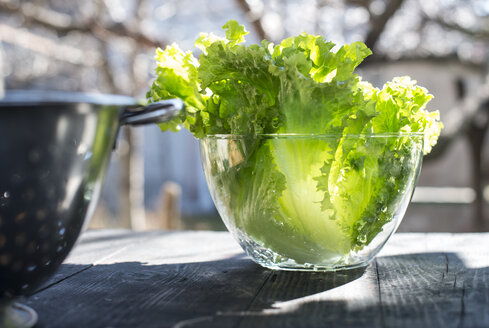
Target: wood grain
(436, 280)
(203, 279)
(171, 278)
(93, 247)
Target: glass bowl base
(271, 260)
(312, 267)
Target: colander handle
(158, 112)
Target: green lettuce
(300, 189)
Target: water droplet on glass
(88, 156)
(62, 231)
(82, 149)
(88, 195)
(4, 199)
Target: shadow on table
(430, 288)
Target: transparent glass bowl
(312, 202)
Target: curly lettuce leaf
(176, 77)
(300, 86)
(401, 107)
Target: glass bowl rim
(313, 135)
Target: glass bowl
(312, 202)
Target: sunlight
(356, 294)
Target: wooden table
(116, 278)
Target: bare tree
(254, 19)
(40, 15)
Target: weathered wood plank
(165, 280)
(203, 279)
(419, 290)
(92, 247)
(304, 299)
(470, 265)
(431, 282)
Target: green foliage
(300, 86)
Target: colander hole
(20, 217)
(4, 259)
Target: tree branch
(377, 23)
(63, 24)
(460, 119)
(476, 34)
(255, 21)
(48, 47)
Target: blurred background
(155, 179)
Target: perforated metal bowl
(54, 152)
